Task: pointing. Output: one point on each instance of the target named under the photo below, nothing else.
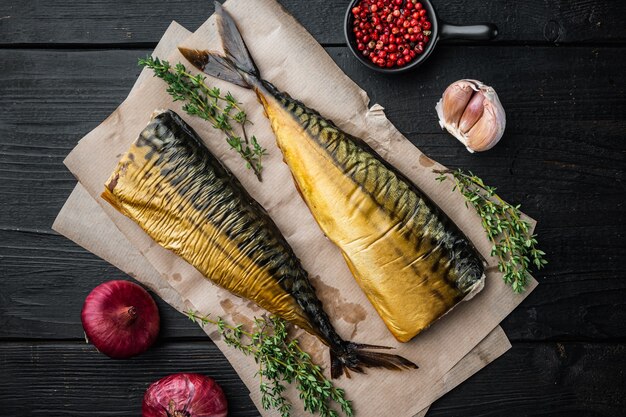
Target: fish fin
(234, 46)
(384, 360)
(214, 65)
(366, 346)
(355, 357)
(237, 66)
(336, 367)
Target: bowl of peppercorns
(394, 36)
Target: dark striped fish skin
(410, 259)
(418, 215)
(189, 202)
(215, 197)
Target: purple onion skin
(184, 395)
(120, 318)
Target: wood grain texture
(556, 380)
(538, 379)
(63, 379)
(114, 22)
(45, 279)
(562, 156)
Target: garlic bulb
(471, 111)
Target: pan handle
(482, 32)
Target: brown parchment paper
(82, 220)
(291, 59)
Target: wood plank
(555, 379)
(121, 22)
(73, 379)
(45, 279)
(546, 91)
(538, 379)
(562, 157)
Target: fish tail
(356, 357)
(236, 66)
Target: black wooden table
(559, 67)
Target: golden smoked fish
(410, 259)
(188, 202)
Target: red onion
(120, 319)
(184, 395)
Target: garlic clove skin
(489, 128)
(454, 101)
(481, 122)
(473, 112)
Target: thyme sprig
(513, 244)
(281, 361)
(208, 103)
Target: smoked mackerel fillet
(413, 263)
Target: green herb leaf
(281, 360)
(206, 102)
(514, 247)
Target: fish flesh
(413, 263)
(181, 195)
